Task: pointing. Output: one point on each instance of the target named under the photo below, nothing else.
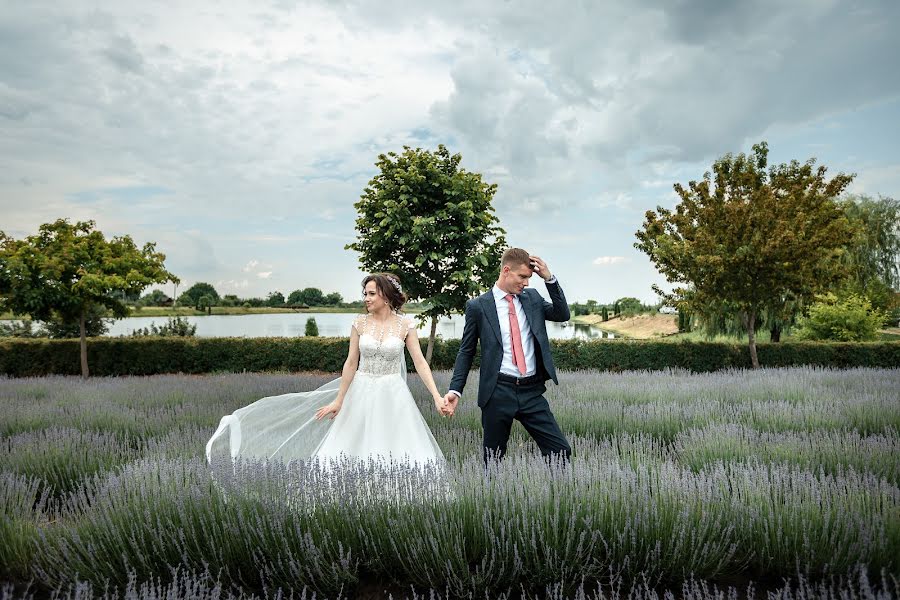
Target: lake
(330, 325)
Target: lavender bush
(786, 477)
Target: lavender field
(779, 483)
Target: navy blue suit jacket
(482, 325)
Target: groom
(510, 322)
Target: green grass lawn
(890, 335)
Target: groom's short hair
(515, 257)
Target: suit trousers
(525, 403)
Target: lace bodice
(381, 345)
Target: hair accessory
(396, 284)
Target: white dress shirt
(507, 366)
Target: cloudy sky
(238, 135)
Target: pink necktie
(516, 335)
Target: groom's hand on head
(540, 267)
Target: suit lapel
(528, 307)
(489, 306)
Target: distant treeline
(626, 306)
(203, 296)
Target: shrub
(152, 355)
(173, 327)
(849, 320)
(893, 318)
(205, 303)
(312, 330)
(21, 329)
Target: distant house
(668, 310)
(166, 301)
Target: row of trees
(748, 244)
(751, 244)
(623, 307)
(203, 296)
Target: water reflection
(589, 332)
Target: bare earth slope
(645, 326)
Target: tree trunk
(430, 350)
(84, 365)
(751, 334)
(775, 334)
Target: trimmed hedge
(152, 355)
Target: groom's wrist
(552, 279)
(455, 393)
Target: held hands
(329, 410)
(540, 267)
(441, 405)
(450, 402)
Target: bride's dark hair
(389, 286)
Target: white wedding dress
(378, 420)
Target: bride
(368, 413)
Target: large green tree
(275, 299)
(66, 270)
(312, 297)
(192, 296)
(433, 224)
(873, 257)
(749, 237)
(295, 297)
(629, 306)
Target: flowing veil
(277, 427)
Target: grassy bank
(891, 334)
(678, 481)
(655, 325)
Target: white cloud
(873, 181)
(263, 131)
(232, 284)
(608, 260)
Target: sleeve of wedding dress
(358, 322)
(406, 324)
